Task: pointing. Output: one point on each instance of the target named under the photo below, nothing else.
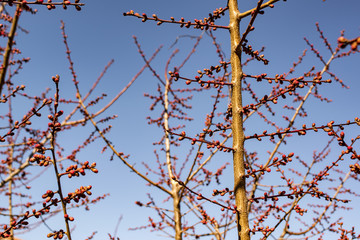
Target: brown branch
(54, 130)
(119, 155)
(41, 2)
(265, 5)
(291, 123)
(10, 43)
(197, 24)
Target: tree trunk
(237, 124)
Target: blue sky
(100, 33)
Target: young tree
(29, 149)
(253, 119)
(269, 192)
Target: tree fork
(237, 123)
(174, 184)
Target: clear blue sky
(100, 33)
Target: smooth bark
(237, 123)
